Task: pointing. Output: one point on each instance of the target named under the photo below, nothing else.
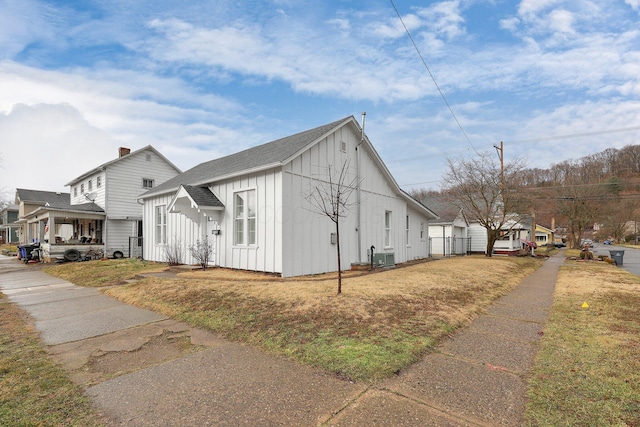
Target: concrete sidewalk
(477, 378)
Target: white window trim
(163, 225)
(408, 231)
(388, 237)
(245, 219)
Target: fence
(135, 247)
(447, 246)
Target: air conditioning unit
(387, 259)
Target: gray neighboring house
(8, 227)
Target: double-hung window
(161, 224)
(244, 226)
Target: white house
(514, 236)
(449, 234)
(252, 207)
(101, 213)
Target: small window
(387, 228)
(422, 230)
(147, 183)
(98, 181)
(81, 188)
(161, 225)
(343, 146)
(408, 231)
(75, 191)
(89, 186)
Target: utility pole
(500, 151)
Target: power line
(574, 135)
(432, 77)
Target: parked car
(560, 244)
(607, 242)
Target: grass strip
(588, 371)
(107, 272)
(33, 390)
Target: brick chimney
(122, 151)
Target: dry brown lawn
(588, 370)
(380, 323)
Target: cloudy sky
(200, 79)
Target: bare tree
(487, 192)
(202, 252)
(331, 197)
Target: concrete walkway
(477, 378)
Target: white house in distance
(449, 233)
(101, 212)
(251, 207)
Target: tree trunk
(339, 266)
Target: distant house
(514, 237)
(448, 235)
(252, 208)
(8, 228)
(544, 235)
(101, 212)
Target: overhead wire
(432, 76)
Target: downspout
(358, 199)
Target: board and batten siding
(307, 234)
(265, 255)
(417, 246)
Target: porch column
(52, 229)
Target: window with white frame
(98, 181)
(422, 230)
(147, 183)
(387, 228)
(81, 188)
(75, 191)
(161, 224)
(244, 211)
(89, 186)
(408, 240)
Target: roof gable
(42, 197)
(119, 159)
(274, 153)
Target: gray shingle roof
(43, 197)
(446, 210)
(54, 200)
(202, 196)
(274, 152)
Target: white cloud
(45, 146)
(635, 4)
(444, 18)
(23, 22)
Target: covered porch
(67, 235)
